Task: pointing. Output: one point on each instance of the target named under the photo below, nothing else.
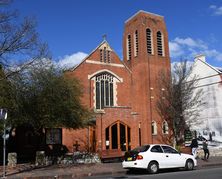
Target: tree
(19, 42)
(179, 100)
(7, 100)
(47, 99)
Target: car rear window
(143, 148)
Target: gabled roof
(101, 44)
(216, 69)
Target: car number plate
(129, 159)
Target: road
(206, 173)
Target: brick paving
(27, 171)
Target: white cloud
(69, 61)
(188, 48)
(214, 53)
(175, 49)
(190, 42)
(187, 41)
(213, 7)
(216, 10)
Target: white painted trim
(103, 71)
(115, 92)
(94, 92)
(127, 47)
(162, 43)
(154, 125)
(152, 43)
(134, 43)
(151, 40)
(115, 81)
(166, 126)
(102, 63)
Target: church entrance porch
(117, 140)
(118, 136)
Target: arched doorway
(118, 136)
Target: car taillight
(139, 157)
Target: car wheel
(153, 167)
(189, 165)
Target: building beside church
(122, 93)
(209, 122)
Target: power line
(209, 84)
(206, 77)
(220, 74)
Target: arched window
(136, 45)
(165, 127)
(149, 42)
(128, 47)
(105, 55)
(101, 55)
(104, 90)
(118, 136)
(109, 56)
(160, 44)
(154, 128)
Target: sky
(74, 28)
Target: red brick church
(122, 93)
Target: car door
(156, 153)
(173, 157)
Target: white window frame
(129, 51)
(162, 44)
(136, 44)
(165, 127)
(151, 41)
(154, 128)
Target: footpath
(27, 171)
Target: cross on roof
(104, 36)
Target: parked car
(157, 156)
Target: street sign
(3, 114)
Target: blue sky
(73, 28)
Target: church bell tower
(146, 53)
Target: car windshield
(143, 148)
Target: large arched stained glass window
(104, 90)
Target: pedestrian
(206, 150)
(194, 146)
(210, 136)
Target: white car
(157, 156)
